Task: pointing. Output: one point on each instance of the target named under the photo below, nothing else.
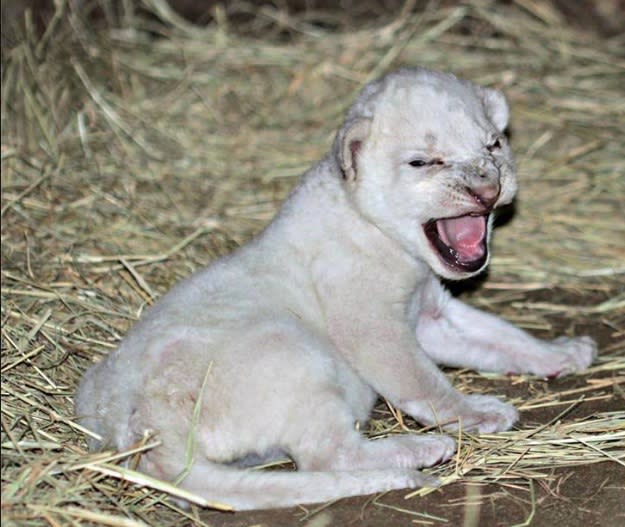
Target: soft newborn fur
(336, 302)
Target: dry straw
(138, 150)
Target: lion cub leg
(337, 446)
(351, 451)
(459, 335)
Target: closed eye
(418, 163)
(495, 145)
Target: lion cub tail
(253, 489)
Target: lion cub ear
(349, 141)
(496, 107)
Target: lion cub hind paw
(484, 414)
(414, 451)
(419, 479)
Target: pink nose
(485, 195)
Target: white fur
(299, 331)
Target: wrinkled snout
(483, 185)
(485, 195)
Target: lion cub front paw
(484, 413)
(569, 355)
(558, 357)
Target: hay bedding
(133, 155)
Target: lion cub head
(424, 157)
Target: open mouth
(460, 242)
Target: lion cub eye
(423, 163)
(495, 145)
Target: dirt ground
(591, 495)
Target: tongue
(465, 235)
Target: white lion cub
(289, 341)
